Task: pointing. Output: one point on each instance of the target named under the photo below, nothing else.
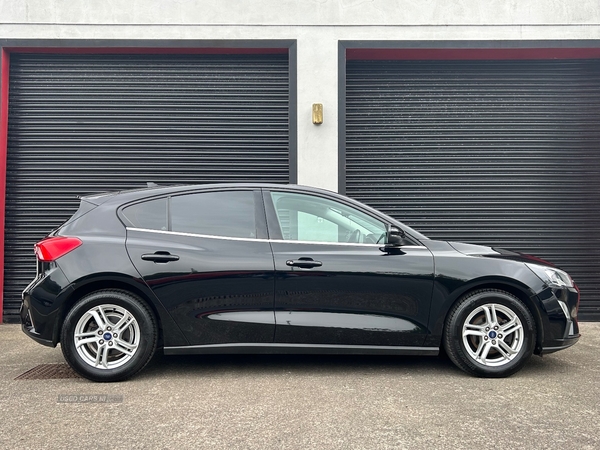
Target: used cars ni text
(258, 268)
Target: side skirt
(329, 349)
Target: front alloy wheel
(489, 333)
(109, 335)
(493, 335)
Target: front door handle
(305, 263)
(160, 257)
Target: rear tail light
(51, 249)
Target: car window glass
(229, 213)
(151, 215)
(310, 218)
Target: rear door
(206, 257)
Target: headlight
(553, 277)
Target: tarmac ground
(303, 402)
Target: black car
(257, 268)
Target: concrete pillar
(318, 83)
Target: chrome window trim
(340, 243)
(289, 241)
(227, 238)
(208, 236)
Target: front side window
(227, 213)
(305, 217)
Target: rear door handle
(160, 257)
(305, 263)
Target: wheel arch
(522, 292)
(82, 289)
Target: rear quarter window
(150, 215)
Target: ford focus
(257, 268)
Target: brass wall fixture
(317, 113)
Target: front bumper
(564, 343)
(561, 329)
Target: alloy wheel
(107, 336)
(493, 335)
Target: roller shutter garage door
(81, 124)
(503, 153)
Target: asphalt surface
(303, 402)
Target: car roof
(152, 191)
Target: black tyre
(109, 335)
(489, 333)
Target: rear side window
(228, 213)
(151, 215)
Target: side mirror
(395, 237)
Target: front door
(334, 285)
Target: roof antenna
(151, 184)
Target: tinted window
(309, 218)
(151, 215)
(228, 213)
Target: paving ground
(304, 402)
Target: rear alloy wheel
(489, 333)
(109, 335)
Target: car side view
(259, 268)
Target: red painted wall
(4, 55)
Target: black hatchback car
(256, 268)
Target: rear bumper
(30, 331)
(45, 334)
(40, 310)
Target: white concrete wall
(298, 12)
(317, 25)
